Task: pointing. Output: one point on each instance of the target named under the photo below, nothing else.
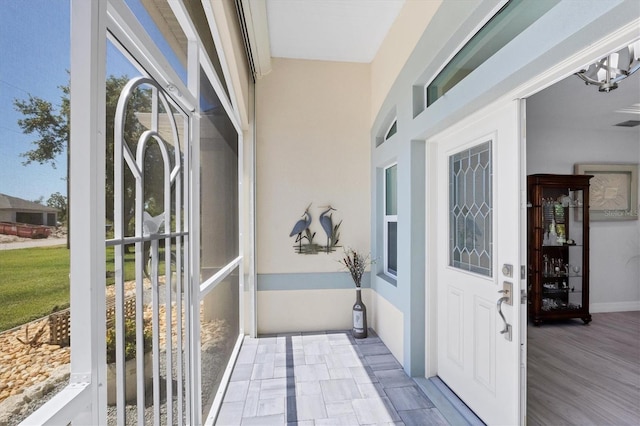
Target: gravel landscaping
(32, 374)
(29, 375)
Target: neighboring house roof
(8, 202)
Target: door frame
(562, 69)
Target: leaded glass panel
(470, 209)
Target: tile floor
(322, 379)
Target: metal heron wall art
(326, 221)
(302, 227)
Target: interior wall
(554, 146)
(312, 148)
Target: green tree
(59, 201)
(51, 125)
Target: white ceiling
(329, 30)
(580, 106)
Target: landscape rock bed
(29, 374)
(25, 365)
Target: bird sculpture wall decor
(326, 221)
(301, 231)
(303, 226)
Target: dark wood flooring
(585, 375)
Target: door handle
(506, 331)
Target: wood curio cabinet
(558, 247)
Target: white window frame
(385, 227)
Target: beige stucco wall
(313, 130)
(388, 322)
(312, 147)
(329, 310)
(408, 27)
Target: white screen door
(478, 232)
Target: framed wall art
(613, 191)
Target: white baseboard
(614, 307)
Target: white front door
(478, 234)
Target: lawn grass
(33, 283)
(129, 266)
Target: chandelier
(608, 71)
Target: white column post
(87, 174)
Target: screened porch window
(219, 227)
(137, 124)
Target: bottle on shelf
(553, 237)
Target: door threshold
(450, 406)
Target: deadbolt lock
(507, 270)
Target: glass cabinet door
(558, 247)
(562, 251)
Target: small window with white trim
(392, 130)
(388, 127)
(391, 220)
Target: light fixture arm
(612, 74)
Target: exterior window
(393, 129)
(511, 20)
(388, 128)
(391, 220)
(470, 209)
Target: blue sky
(34, 59)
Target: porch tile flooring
(322, 379)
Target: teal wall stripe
(309, 281)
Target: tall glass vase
(359, 330)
